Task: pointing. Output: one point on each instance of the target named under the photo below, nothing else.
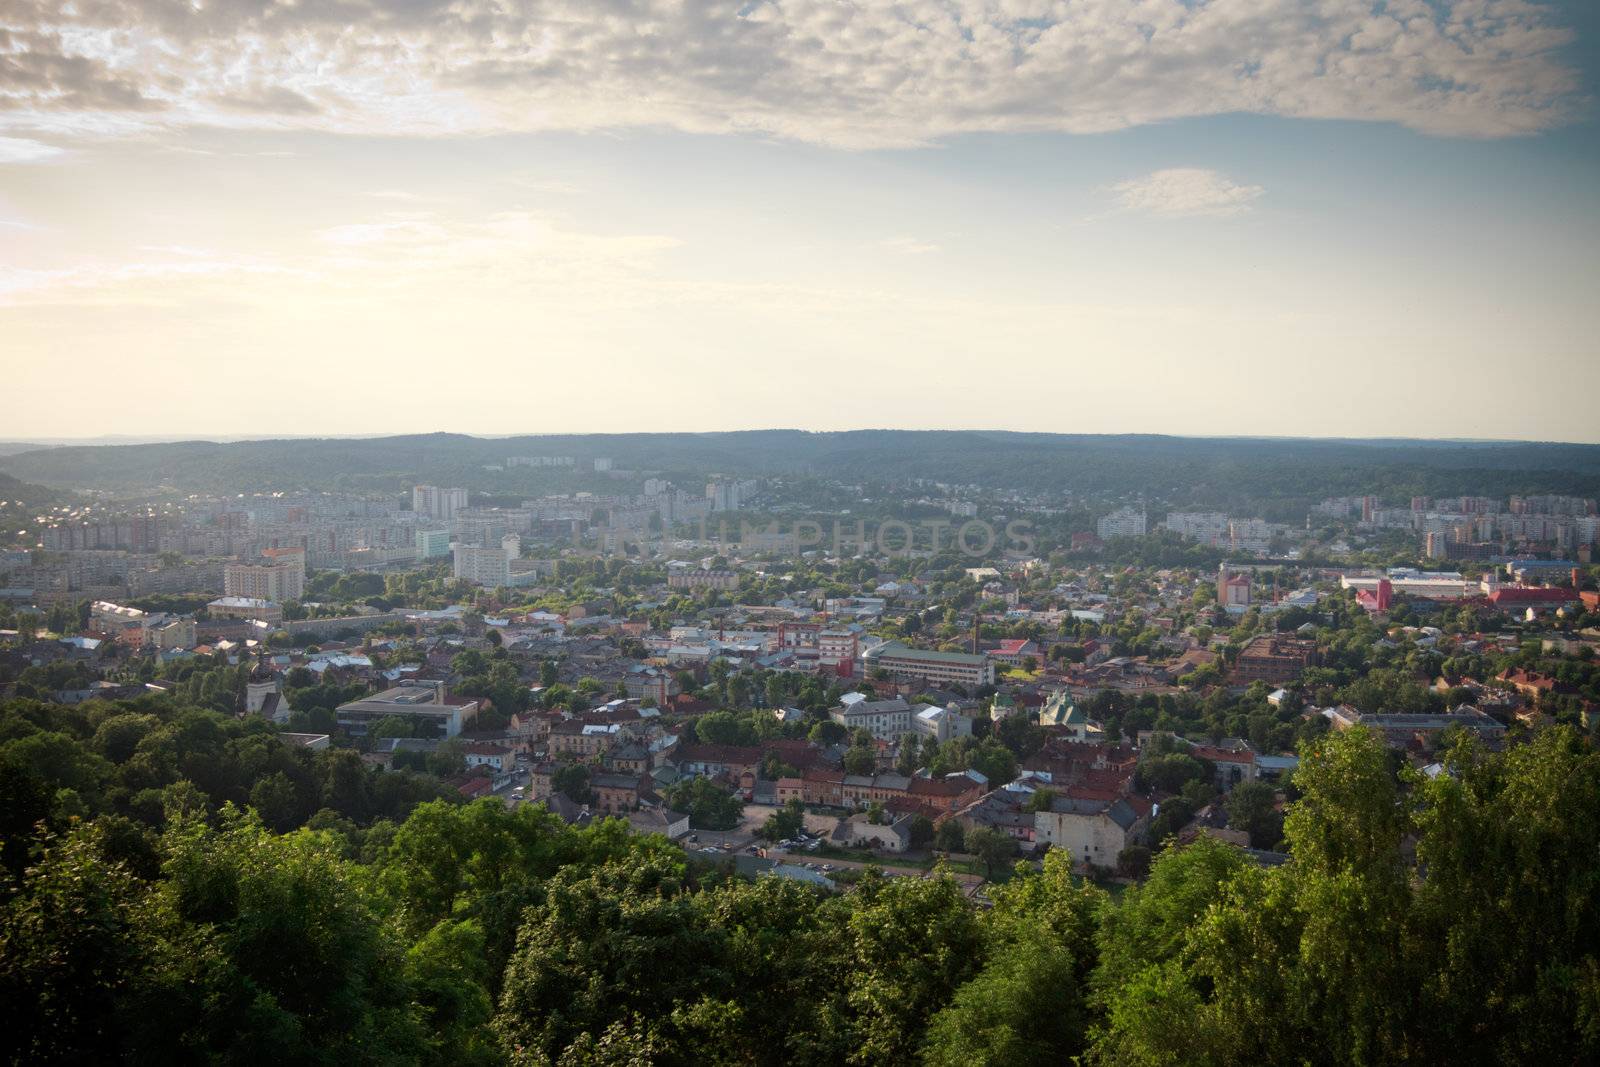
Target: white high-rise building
(437, 503)
(724, 495)
(1207, 527)
(483, 565)
(276, 582)
(1124, 522)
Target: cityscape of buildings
(951, 670)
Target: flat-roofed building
(277, 580)
(702, 579)
(245, 607)
(482, 565)
(1400, 729)
(1124, 522)
(1425, 585)
(433, 544)
(437, 503)
(449, 715)
(946, 668)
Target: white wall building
(1206, 527)
(437, 503)
(1124, 522)
(265, 581)
(941, 724)
(482, 565)
(887, 719)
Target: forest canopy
(179, 889)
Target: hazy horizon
(112, 440)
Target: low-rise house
(949, 793)
(497, 758)
(673, 824)
(1232, 765)
(384, 749)
(714, 761)
(1004, 810)
(859, 831)
(1014, 651)
(1091, 831)
(629, 757)
(574, 737)
(617, 793)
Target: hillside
(13, 491)
(1221, 470)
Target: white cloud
(1182, 191)
(23, 150)
(816, 70)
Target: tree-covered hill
(1222, 470)
(14, 492)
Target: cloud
(268, 100)
(23, 150)
(1183, 191)
(814, 70)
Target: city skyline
(1367, 220)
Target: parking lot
(803, 852)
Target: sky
(1212, 217)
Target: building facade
(482, 565)
(943, 668)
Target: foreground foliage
(473, 934)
